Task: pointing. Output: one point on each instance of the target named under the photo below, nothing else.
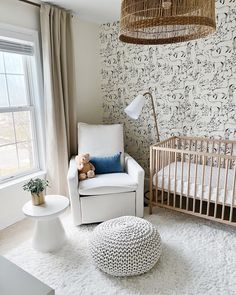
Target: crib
(196, 176)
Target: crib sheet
(202, 185)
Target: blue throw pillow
(109, 164)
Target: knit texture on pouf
(125, 246)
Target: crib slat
(201, 150)
(210, 181)
(203, 181)
(178, 143)
(231, 154)
(188, 182)
(225, 188)
(164, 155)
(150, 181)
(182, 176)
(156, 171)
(217, 187)
(168, 197)
(195, 182)
(184, 155)
(233, 195)
(175, 179)
(225, 153)
(219, 147)
(163, 175)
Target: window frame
(36, 100)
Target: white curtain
(59, 94)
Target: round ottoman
(125, 246)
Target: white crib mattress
(202, 191)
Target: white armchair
(107, 195)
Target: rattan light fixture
(166, 21)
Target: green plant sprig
(36, 186)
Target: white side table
(49, 234)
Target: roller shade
(16, 47)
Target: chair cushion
(101, 140)
(110, 183)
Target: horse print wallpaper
(193, 84)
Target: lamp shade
(166, 21)
(134, 109)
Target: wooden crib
(195, 176)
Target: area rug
(198, 258)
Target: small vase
(38, 199)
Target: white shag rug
(198, 258)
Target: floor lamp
(134, 109)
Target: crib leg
(150, 210)
(150, 201)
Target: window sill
(22, 179)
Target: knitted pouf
(125, 246)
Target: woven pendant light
(166, 21)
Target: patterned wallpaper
(193, 83)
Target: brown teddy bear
(85, 168)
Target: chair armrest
(73, 183)
(137, 173)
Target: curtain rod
(35, 4)
(30, 2)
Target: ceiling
(98, 11)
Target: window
(19, 134)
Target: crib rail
(196, 176)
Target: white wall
(87, 65)
(87, 68)
(19, 14)
(12, 199)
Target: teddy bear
(85, 168)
